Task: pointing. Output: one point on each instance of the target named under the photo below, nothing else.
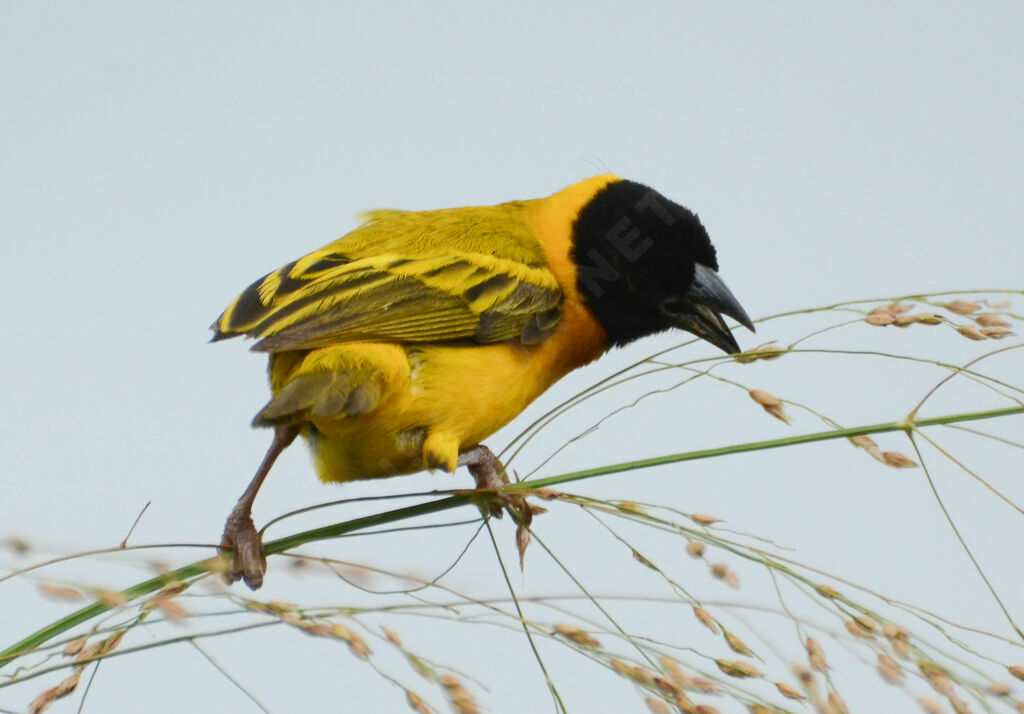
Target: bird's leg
(490, 475)
(249, 562)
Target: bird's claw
(243, 542)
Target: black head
(646, 264)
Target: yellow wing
(475, 274)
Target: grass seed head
(1017, 670)
(999, 689)
(1001, 305)
(736, 668)
(959, 705)
(416, 702)
(829, 592)
(816, 655)
(971, 332)
(836, 705)
(990, 319)
(769, 350)
(577, 635)
(705, 618)
(68, 685)
(855, 629)
(788, 691)
(58, 592)
(997, 333)
(74, 647)
(702, 684)
(770, 403)
(737, 645)
(930, 705)
(43, 701)
(880, 319)
(889, 669)
(704, 519)
(962, 307)
(898, 308)
(392, 636)
(928, 318)
(657, 706)
(864, 441)
(695, 549)
(898, 460)
(705, 709)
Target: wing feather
(441, 276)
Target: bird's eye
(676, 306)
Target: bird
(405, 343)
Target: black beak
(701, 308)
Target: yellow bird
(404, 344)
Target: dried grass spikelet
(722, 572)
(74, 647)
(788, 691)
(1017, 670)
(548, 494)
(836, 705)
(705, 709)
(1001, 305)
(962, 307)
(880, 319)
(703, 685)
(577, 635)
(971, 332)
(770, 403)
(416, 702)
(863, 441)
(392, 636)
(828, 591)
(990, 319)
(959, 705)
(657, 706)
(459, 696)
(857, 630)
(898, 308)
(898, 460)
(998, 689)
(695, 549)
(889, 669)
(45, 699)
(706, 618)
(867, 623)
(816, 655)
(930, 705)
(928, 318)
(630, 507)
(737, 668)
(997, 333)
(109, 598)
(171, 609)
(704, 519)
(769, 350)
(737, 645)
(760, 709)
(59, 592)
(356, 644)
(638, 557)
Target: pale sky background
(155, 158)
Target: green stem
(905, 425)
(280, 545)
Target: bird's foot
(491, 478)
(248, 561)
